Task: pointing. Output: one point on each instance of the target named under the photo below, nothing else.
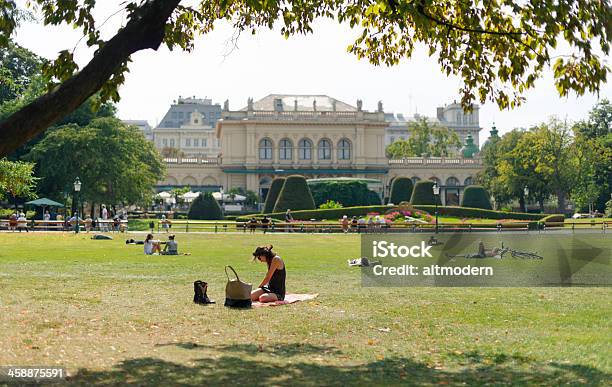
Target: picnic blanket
(290, 298)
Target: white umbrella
(228, 197)
(189, 196)
(164, 195)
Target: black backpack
(200, 296)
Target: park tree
(16, 179)
(595, 133)
(115, 163)
(503, 174)
(272, 196)
(18, 67)
(295, 195)
(498, 50)
(205, 207)
(426, 139)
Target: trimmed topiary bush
(294, 195)
(475, 196)
(272, 197)
(401, 190)
(205, 207)
(422, 194)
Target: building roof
(305, 102)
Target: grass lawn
(111, 315)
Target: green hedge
(466, 212)
(295, 195)
(401, 190)
(475, 196)
(555, 218)
(459, 212)
(347, 193)
(423, 193)
(275, 188)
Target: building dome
(469, 149)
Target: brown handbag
(237, 293)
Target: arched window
(305, 149)
(469, 181)
(324, 149)
(285, 149)
(265, 149)
(344, 149)
(452, 181)
(415, 179)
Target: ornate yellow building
(311, 135)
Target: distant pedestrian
(345, 224)
(22, 223)
(13, 221)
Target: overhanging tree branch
(145, 30)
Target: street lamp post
(77, 189)
(436, 192)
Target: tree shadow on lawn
(286, 350)
(472, 368)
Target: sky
(318, 63)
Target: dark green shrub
(294, 195)
(275, 188)
(347, 193)
(422, 194)
(401, 190)
(475, 196)
(205, 207)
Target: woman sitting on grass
(151, 245)
(272, 288)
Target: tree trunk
(561, 202)
(522, 204)
(541, 202)
(145, 29)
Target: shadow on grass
(286, 350)
(472, 369)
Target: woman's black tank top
(277, 282)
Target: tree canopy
(498, 48)
(17, 179)
(426, 139)
(115, 163)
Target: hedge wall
(401, 190)
(555, 218)
(460, 212)
(475, 196)
(275, 188)
(348, 193)
(466, 212)
(295, 195)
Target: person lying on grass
(272, 288)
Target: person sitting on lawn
(151, 246)
(272, 288)
(171, 247)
